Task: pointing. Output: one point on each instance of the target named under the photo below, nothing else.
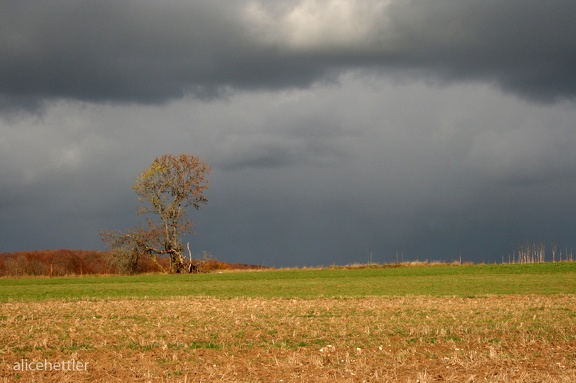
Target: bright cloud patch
(313, 24)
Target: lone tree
(170, 186)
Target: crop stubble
(409, 339)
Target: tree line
(63, 262)
(55, 263)
(536, 252)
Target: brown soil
(496, 339)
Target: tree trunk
(179, 264)
(176, 265)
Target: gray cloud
(147, 52)
(430, 173)
(334, 128)
(523, 47)
(277, 142)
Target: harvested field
(397, 339)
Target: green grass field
(435, 281)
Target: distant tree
(167, 189)
(125, 259)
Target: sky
(338, 131)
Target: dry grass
(496, 339)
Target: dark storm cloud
(152, 52)
(335, 128)
(306, 177)
(526, 47)
(286, 141)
